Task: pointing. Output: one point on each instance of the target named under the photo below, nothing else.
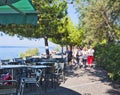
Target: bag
(7, 77)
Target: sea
(10, 52)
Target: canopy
(17, 12)
(4, 2)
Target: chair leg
(21, 88)
(63, 74)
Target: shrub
(30, 52)
(108, 56)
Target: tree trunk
(46, 47)
(62, 52)
(110, 33)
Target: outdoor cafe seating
(25, 79)
(42, 74)
(56, 72)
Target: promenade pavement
(86, 81)
(89, 81)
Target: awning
(4, 2)
(17, 12)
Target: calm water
(9, 52)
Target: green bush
(30, 52)
(108, 56)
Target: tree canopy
(100, 19)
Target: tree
(30, 52)
(75, 35)
(100, 19)
(54, 11)
(69, 34)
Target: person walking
(80, 57)
(75, 53)
(69, 56)
(85, 56)
(90, 56)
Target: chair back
(6, 89)
(60, 67)
(5, 62)
(19, 60)
(34, 79)
(13, 63)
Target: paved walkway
(87, 81)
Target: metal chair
(54, 74)
(60, 67)
(6, 88)
(31, 80)
(50, 77)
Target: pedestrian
(80, 57)
(69, 56)
(75, 55)
(90, 56)
(85, 56)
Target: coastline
(9, 52)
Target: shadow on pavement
(116, 88)
(57, 91)
(101, 75)
(62, 91)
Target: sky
(6, 40)
(72, 14)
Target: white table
(45, 63)
(11, 66)
(23, 66)
(38, 66)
